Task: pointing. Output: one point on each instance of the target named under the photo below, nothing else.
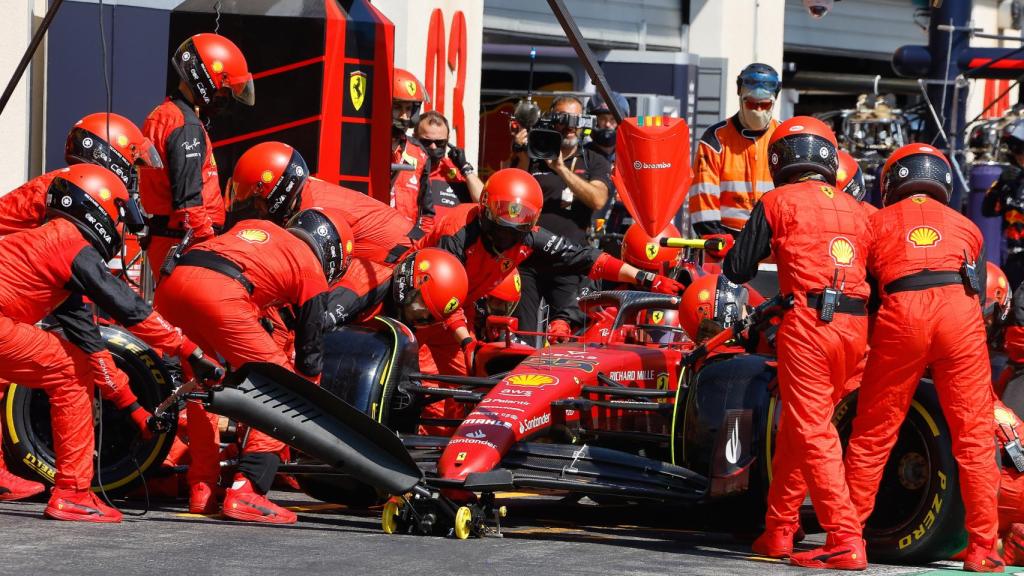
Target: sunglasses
(757, 104)
(435, 143)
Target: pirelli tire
(28, 438)
(919, 513)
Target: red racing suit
(204, 298)
(410, 188)
(185, 193)
(379, 232)
(44, 270)
(816, 233)
(24, 208)
(1008, 428)
(926, 320)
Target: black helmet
(328, 236)
(760, 80)
(916, 169)
(799, 145)
(94, 199)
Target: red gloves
(111, 381)
(141, 417)
(198, 366)
(469, 346)
(725, 243)
(660, 284)
(559, 331)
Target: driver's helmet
(711, 304)
(503, 299)
(658, 326)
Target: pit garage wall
(413, 26)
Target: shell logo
(657, 316)
(218, 66)
(828, 191)
(451, 305)
(1004, 417)
(104, 193)
(253, 236)
(924, 237)
(267, 176)
(410, 87)
(535, 380)
(651, 250)
(348, 247)
(424, 266)
(840, 175)
(704, 295)
(122, 140)
(1002, 282)
(841, 250)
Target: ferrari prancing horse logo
(657, 316)
(652, 250)
(357, 88)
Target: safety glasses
(436, 143)
(761, 82)
(758, 104)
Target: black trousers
(557, 289)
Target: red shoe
(203, 498)
(981, 558)
(81, 506)
(1013, 545)
(778, 542)
(245, 504)
(14, 488)
(847, 554)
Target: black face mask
(604, 137)
(499, 238)
(436, 155)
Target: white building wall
(412, 19)
(15, 120)
(742, 31)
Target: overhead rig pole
(586, 55)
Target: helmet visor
(146, 154)
(242, 88)
(415, 311)
(759, 86)
(513, 214)
(499, 307)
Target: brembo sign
(638, 165)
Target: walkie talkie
(969, 274)
(830, 299)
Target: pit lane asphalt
(541, 537)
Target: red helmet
(710, 304)
(208, 63)
(512, 201)
(799, 145)
(94, 199)
(503, 299)
(406, 88)
(997, 291)
(644, 252)
(270, 175)
(656, 326)
(328, 235)
(437, 277)
(111, 141)
(916, 169)
(850, 178)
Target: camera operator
(453, 179)
(575, 184)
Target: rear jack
(429, 513)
